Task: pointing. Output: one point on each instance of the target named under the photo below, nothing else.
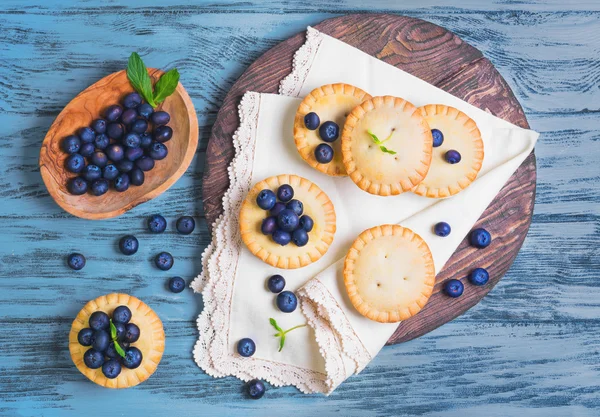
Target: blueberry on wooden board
(115, 131)
(93, 359)
(132, 140)
(110, 172)
(145, 140)
(132, 154)
(139, 126)
(160, 118)
(86, 134)
(99, 320)
(99, 187)
(122, 182)
(145, 163)
(124, 166)
(479, 276)
(246, 347)
(329, 131)
(145, 110)
(480, 238)
(266, 199)
(113, 113)
(132, 100)
(71, 144)
(133, 358)
(164, 261)
(438, 137)
(77, 186)
(176, 284)
(121, 314)
(128, 245)
(129, 116)
(312, 121)
(87, 149)
(99, 125)
(101, 141)
(136, 176)
(76, 261)
(454, 288)
(157, 223)
(163, 134)
(91, 172)
(285, 193)
(158, 151)
(115, 152)
(323, 153)
(287, 301)
(75, 163)
(99, 158)
(185, 225)
(111, 368)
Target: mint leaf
(374, 137)
(386, 150)
(274, 324)
(119, 349)
(281, 333)
(166, 85)
(281, 342)
(139, 78)
(113, 330)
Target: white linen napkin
(338, 341)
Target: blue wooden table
(531, 348)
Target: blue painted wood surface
(531, 348)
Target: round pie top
(332, 102)
(460, 134)
(316, 204)
(389, 273)
(151, 342)
(401, 130)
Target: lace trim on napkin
(303, 60)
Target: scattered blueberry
(76, 261)
(124, 165)
(77, 186)
(93, 359)
(185, 225)
(87, 149)
(75, 163)
(266, 199)
(268, 225)
(176, 284)
(479, 276)
(158, 151)
(113, 113)
(91, 172)
(132, 100)
(122, 314)
(454, 288)
(442, 229)
(101, 340)
(157, 223)
(101, 141)
(139, 126)
(132, 333)
(99, 187)
(132, 154)
(277, 208)
(287, 220)
(110, 172)
(438, 137)
(323, 153)
(145, 163)
(329, 131)
(282, 238)
(128, 245)
(122, 182)
(145, 110)
(133, 358)
(276, 284)
(136, 176)
(285, 193)
(111, 351)
(300, 237)
(111, 368)
(71, 144)
(99, 158)
(99, 125)
(99, 320)
(145, 140)
(163, 133)
(129, 116)
(306, 222)
(296, 206)
(115, 130)
(452, 157)
(160, 118)
(480, 238)
(287, 301)
(312, 121)
(246, 347)
(85, 337)
(132, 140)
(164, 261)
(256, 389)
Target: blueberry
(121, 314)
(93, 359)
(145, 163)
(323, 153)
(300, 237)
(122, 182)
(185, 225)
(266, 199)
(101, 340)
(145, 110)
(99, 125)
(125, 165)
(139, 126)
(158, 151)
(115, 130)
(75, 163)
(157, 223)
(452, 157)
(111, 368)
(113, 113)
(454, 288)
(285, 193)
(132, 100)
(329, 131)
(120, 329)
(71, 144)
(306, 222)
(164, 261)
(99, 158)
(296, 206)
(133, 358)
(111, 351)
(163, 133)
(91, 172)
(86, 134)
(87, 149)
(256, 389)
(479, 276)
(480, 238)
(99, 320)
(115, 152)
(287, 301)
(246, 347)
(101, 141)
(287, 220)
(442, 229)
(282, 238)
(85, 337)
(132, 333)
(176, 284)
(132, 140)
(99, 187)
(137, 176)
(268, 225)
(128, 245)
(131, 154)
(276, 284)
(277, 208)
(77, 186)
(438, 137)
(160, 118)
(110, 172)
(129, 116)
(76, 261)
(312, 121)
(145, 140)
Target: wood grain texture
(90, 105)
(529, 348)
(441, 58)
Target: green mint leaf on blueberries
(119, 349)
(139, 78)
(166, 85)
(113, 330)
(386, 150)
(374, 137)
(281, 333)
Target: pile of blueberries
(118, 148)
(328, 131)
(479, 238)
(103, 352)
(285, 222)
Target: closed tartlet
(317, 205)
(389, 273)
(460, 133)
(386, 146)
(151, 342)
(331, 102)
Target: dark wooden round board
(441, 58)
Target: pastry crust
(461, 134)
(151, 342)
(389, 273)
(331, 102)
(316, 204)
(378, 172)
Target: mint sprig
(281, 333)
(113, 336)
(380, 142)
(137, 73)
